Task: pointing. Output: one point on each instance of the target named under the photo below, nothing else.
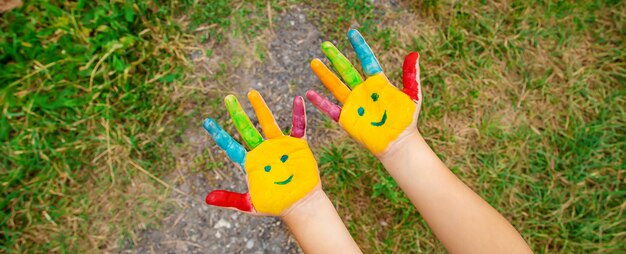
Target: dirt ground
(199, 228)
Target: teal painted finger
(342, 65)
(250, 135)
(364, 53)
(233, 149)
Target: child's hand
(375, 113)
(280, 170)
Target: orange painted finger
(330, 80)
(263, 113)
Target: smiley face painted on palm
(375, 112)
(379, 109)
(281, 171)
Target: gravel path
(198, 228)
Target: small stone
(218, 235)
(196, 54)
(250, 244)
(234, 216)
(222, 224)
(383, 223)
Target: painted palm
(280, 170)
(374, 111)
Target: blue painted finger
(233, 149)
(364, 53)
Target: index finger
(364, 53)
(234, 150)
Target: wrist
(306, 206)
(405, 149)
(317, 227)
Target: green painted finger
(250, 135)
(342, 65)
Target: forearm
(460, 219)
(317, 226)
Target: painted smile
(286, 181)
(382, 121)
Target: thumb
(411, 76)
(229, 199)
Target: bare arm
(383, 119)
(279, 185)
(317, 226)
(461, 220)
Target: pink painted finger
(323, 104)
(298, 118)
(229, 199)
(411, 76)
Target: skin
(317, 227)
(460, 219)
(282, 175)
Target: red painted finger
(222, 198)
(411, 76)
(323, 104)
(298, 118)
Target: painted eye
(284, 158)
(374, 96)
(361, 111)
(267, 168)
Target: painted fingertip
(230, 100)
(264, 115)
(354, 34)
(316, 63)
(253, 94)
(298, 118)
(242, 122)
(209, 125)
(330, 51)
(327, 107)
(228, 199)
(412, 58)
(298, 104)
(342, 65)
(254, 97)
(410, 75)
(327, 45)
(230, 97)
(309, 94)
(364, 53)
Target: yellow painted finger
(330, 80)
(263, 113)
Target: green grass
(92, 93)
(525, 103)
